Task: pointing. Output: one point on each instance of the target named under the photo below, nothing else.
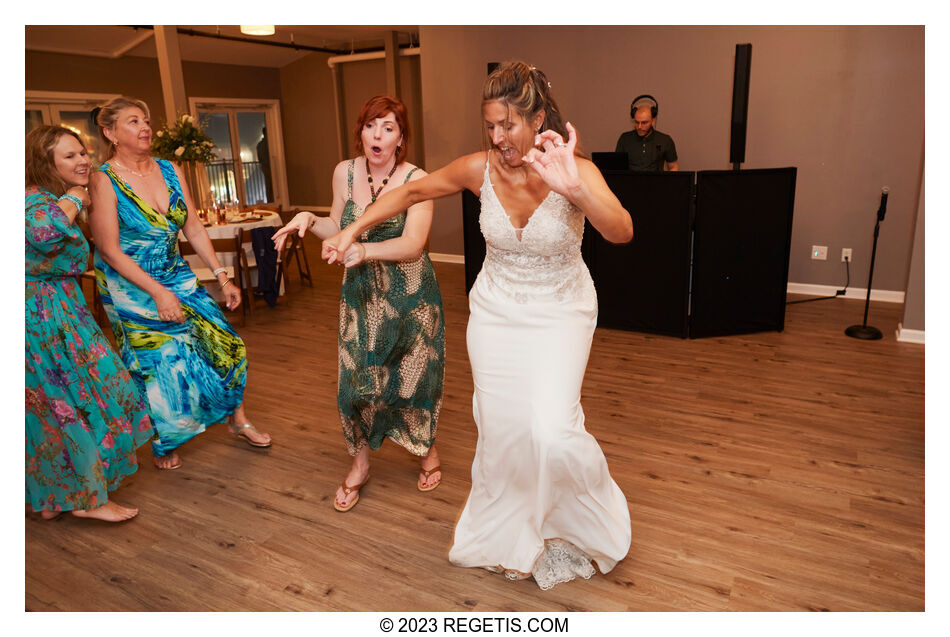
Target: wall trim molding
(886, 296)
(909, 336)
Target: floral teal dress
(84, 415)
(192, 373)
(391, 345)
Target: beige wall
(309, 118)
(843, 104)
(309, 125)
(914, 297)
(139, 77)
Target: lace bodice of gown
(545, 262)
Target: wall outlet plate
(819, 253)
(846, 252)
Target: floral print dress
(84, 415)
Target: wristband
(218, 271)
(225, 284)
(76, 201)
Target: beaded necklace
(369, 177)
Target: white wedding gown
(542, 499)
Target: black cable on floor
(847, 265)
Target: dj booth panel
(644, 285)
(472, 236)
(743, 230)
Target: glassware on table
(213, 216)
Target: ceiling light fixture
(257, 29)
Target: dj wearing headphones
(647, 148)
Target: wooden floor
(774, 471)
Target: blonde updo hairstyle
(526, 90)
(108, 116)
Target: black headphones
(647, 99)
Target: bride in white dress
(542, 502)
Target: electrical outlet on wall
(846, 255)
(819, 253)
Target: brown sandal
(425, 474)
(347, 490)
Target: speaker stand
(865, 331)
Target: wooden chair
(221, 246)
(245, 266)
(298, 253)
(270, 207)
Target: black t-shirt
(647, 153)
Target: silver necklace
(134, 172)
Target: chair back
(218, 245)
(221, 246)
(244, 239)
(270, 207)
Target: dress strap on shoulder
(409, 174)
(171, 177)
(349, 179)
(486, 179)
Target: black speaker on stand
(740, 104)
(865, 331)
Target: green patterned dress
(392, 344)
(192, 373)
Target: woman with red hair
(391, 344)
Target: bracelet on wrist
(225, 284)
(218, 271)
(76, 201)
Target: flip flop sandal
(347, 490)
(425, 474)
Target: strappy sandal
(239, 431)
(425, 474)
(347, 490)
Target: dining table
(228, 229)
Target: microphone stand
(865, 331)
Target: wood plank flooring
(773, 471)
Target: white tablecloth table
(229, 259)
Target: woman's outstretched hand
(299, 224)
(335, 247)
(554, 160)
(354, 255)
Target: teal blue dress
(391, 344)
(192, 373)
(84, 415)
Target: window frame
(275, 137)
